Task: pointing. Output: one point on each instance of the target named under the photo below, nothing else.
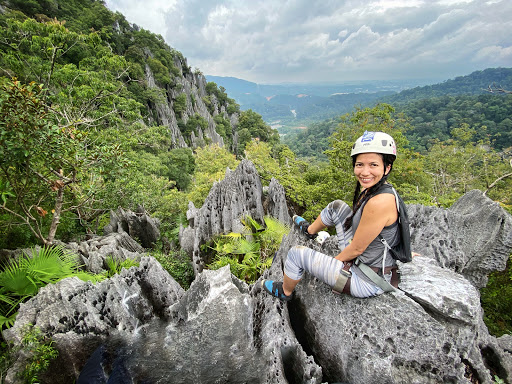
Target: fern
(22, 278)
(249, 253)
(115, 266)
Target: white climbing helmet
(376, 142)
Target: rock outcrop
(143, 322)
(239, 194)
(80, 315)
(126, 237)
(139, 225)
(431, 330)
(142, 325)
(193, 87)
(473, 237)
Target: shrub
(249, 253)
(178, 265)
(496, 299)
(34, 344)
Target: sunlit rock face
(141, 326)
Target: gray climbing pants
(326, 268)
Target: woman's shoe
(275, 288)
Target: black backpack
(401, 251)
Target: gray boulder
(215, 334)
(80, 315)
(94, 252)
(473, 237)
(218, 331)
(139, 225)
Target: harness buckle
(341, 281)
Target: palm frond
(252, 224)
(7, 322)
(249, 253)
(246, 246)
(6, 299)
(15, 280)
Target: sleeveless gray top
(372, 255)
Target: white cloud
(148, 14)
(300, 40)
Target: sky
(300, 41)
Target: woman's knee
(295, 250)
(338, 204)
(335, 212)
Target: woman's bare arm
(379, 212)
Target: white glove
(322, 236)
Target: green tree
(251, 125)
(180, 104)
(211, 164)
(305, 189)
(63, 164)
(459, 165)
(40, 161)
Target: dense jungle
(97, 113)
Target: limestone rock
(473, 237)
(441, 291)
(210, 338)
(275, 203)
(79, 315)
(238, 195)
(94, 252)
(218, 331)
(431, 330)
(139, 225)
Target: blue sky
(276, 41)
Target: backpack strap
(377, 280)
(382, 239)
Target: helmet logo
(384, 143)
(367, 137)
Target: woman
(374, 213)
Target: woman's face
(369, 169)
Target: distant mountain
(236, 87)
(434, 111)
(233, 85)
(292, 105)
(475, 83)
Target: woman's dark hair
(361, 197)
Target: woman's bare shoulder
(381, 199)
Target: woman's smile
(369, 169)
